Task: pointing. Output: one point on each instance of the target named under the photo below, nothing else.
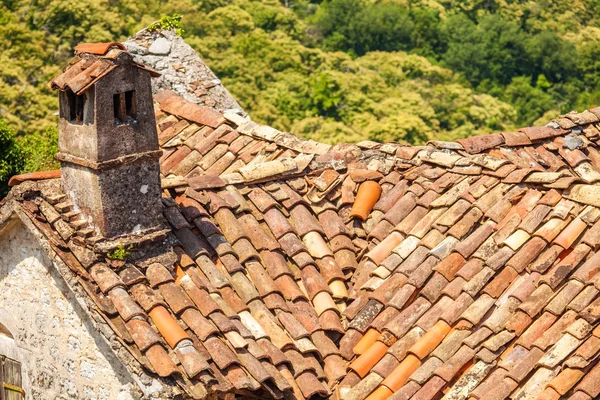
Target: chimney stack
(107, 140)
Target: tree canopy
(331, 70)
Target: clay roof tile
(590, 383)
(277, 285)
(426, 344)
(568, 236)
(400, 375)
(33, 176)
(367, 196)
(160, 361)
(98, 48)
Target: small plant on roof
(168, 22)
(120, 253)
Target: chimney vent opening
(124, 107)
(76, 106)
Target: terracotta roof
(469, 271)
(93, 61)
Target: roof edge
(34, 176)
(98, 48)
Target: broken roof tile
(478, 144)
(516, 139)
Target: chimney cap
(91, 63)
(98, 48)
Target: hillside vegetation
(335, 70)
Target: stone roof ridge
(566, 124)
(524, 156)
(182, 70)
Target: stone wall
(181, 69)
(62, 355)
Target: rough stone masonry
(181, 70)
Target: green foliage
(331, 70)
(491, 50)
(499, 48)
(120, 253)
(230, 21)
(11, 156)
(589, 61)
(529, 101)
(425, 37)
(357, 26)
(39, 150)
(167, 23)
(551, 56)
(326, 94)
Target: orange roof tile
(367, 196)
(366, 341)
(400, 375)
(167, 326)
(564, 381)
(430, 340)
(367, 360)
(33, 176)
(98, 48)
(566, 238)
(381, 393)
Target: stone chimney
(107, 140)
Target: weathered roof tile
(476, 234)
